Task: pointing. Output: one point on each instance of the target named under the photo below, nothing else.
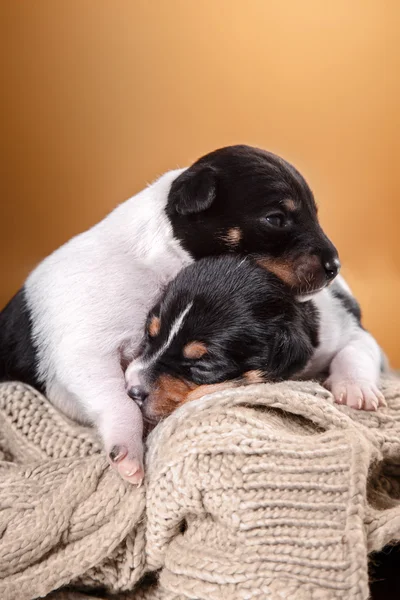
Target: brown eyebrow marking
(154, 326)
(290, 204)
(195, 350)
(232, 237)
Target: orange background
(102, 96)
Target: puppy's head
(245, 200)
(222, 322)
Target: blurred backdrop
(100, 97)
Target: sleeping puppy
(226, 321)
(78, 320)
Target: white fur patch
(90, 298)
(346, 350)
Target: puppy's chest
(335, 328)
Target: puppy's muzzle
(139, 394)
(332, 268)
(316, 271)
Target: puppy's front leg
(101, 392)
(355, 371)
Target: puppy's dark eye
(277, 220)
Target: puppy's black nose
(332, 268)
(138, 394)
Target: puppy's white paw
(127, 463)
(359, 394)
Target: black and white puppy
(226, 321)
(78, 320)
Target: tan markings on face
(194, 350)
(232, 237)
(290, 204)
(154, 326)
(281, 268)
(203, 390)
(254, 376)
(168, 393)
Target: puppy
(226, 321)
(78, 320)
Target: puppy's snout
(317, 270)
(138, 393)
(331, 267)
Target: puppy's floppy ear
(194, 190)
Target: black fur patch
(18, 355)
(247, 318)
(246, 184)
(311, 322)
(348, 302)
(241, 188)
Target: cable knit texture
(263, 492)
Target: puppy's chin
(304, 296)
(148, 426)
(310, 295)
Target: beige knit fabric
(264, 492)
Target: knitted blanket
(267, 491)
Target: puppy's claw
(133, 476)
(381, 399)
(358, 394)
(130, 469)
(117, 453)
